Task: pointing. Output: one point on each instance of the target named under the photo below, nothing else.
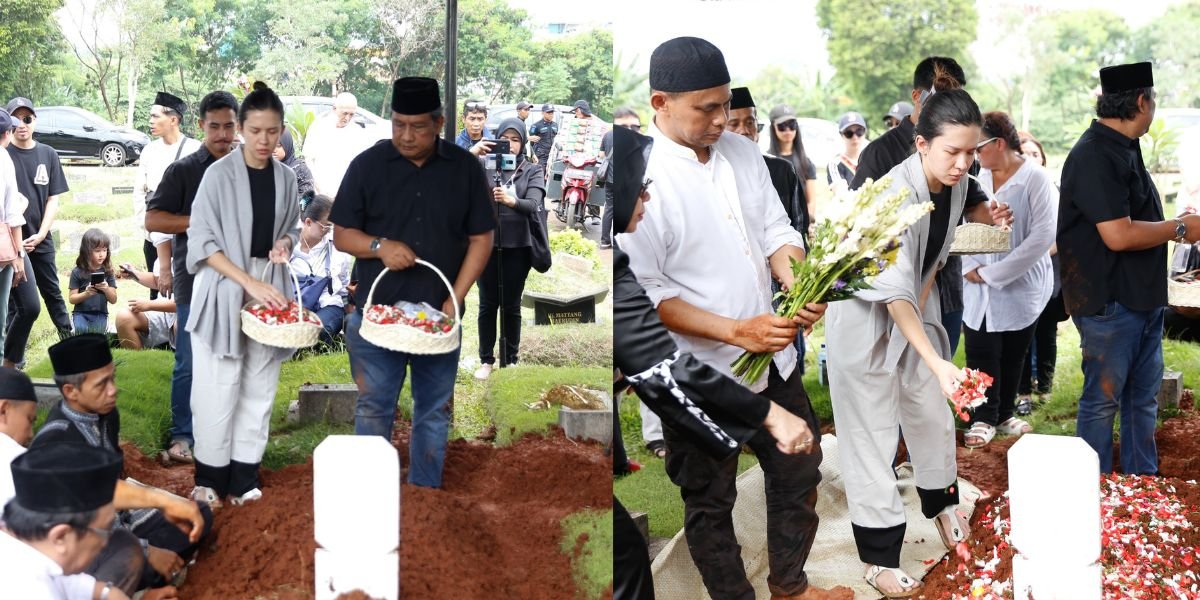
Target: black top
(39, 176)
(939, 222)
(80, 279)
(1103, 179)
(547, 130)
(791, 193)
(707, 407)
(807, 168)
(606, 146)
(175, 195)
(262, 200)
(881, 156)
(513, 229)
(58, 428)
(432, 208)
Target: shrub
(570, 242)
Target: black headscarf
(519, 126)
(631, 151)
(289, 148)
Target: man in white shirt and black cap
(715, 211)
(59, 520)
(166, 118)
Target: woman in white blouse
(1005, 293)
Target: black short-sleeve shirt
(262, 202)
(175, 195)
(1103, 179)
(39, 176)
(80, 280)
(433, 208)
(939, 222)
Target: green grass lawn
(651, 492)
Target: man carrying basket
(418, 197)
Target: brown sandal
(181, 451)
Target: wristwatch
(1180, 230)
(375, 244)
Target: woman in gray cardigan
(243, 220)
(889, 357)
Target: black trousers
(709, 489)
(162, 533)
(120, 562)
(631, 561)
(606, 220)
(1045, 346)
(46, 275)
(1001, 355)
(151, 255)
(517, 262)
(23, 311)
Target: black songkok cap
(174, 103)
(687, 64)
(631, 152)
(15, 385)
(65, 477)
(80, 354)
(416, 95)
(1122, 78)
(741, 98)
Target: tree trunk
(133, 90)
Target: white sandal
(950, 525)
(911, 586)
(980, 431)
(1014, 426)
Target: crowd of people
(1092, 248)
(226, 218)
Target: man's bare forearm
(684, 318)
(161, 221)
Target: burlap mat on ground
(834, 559)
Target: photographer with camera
(518, 189)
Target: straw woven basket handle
(1191, 275)
(295, 282)
(453, 296)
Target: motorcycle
(574, 206)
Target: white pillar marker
(1054, 495)
(356, 511)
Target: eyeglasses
(326, 227)
(103, 533)
(980, 145)
(855, 132)
(645, 186)
(632, 126)
(787, 126)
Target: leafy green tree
(31, 47)
(306, 48)
(587, 57)
(493, 47)
(875, 50)
(1167, 42)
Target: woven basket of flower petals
(386, 326)
(1184, 289)
(977, 238)
(289, 327)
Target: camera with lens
(500, 157)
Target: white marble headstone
(356, 508)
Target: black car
(79, 134)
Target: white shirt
(28, 574)
(313, 263)
(328, 150)
(12, 202)
(707, 233)
(1020, 281)
(155, 159)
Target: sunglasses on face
(633, 126)
(645, 186)
(855, 132)
(787, 126)
(476, 106)
(27, 119)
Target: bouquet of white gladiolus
(854, 243)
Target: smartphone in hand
(97, 277)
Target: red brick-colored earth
(1178, 441)
(492, 531)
